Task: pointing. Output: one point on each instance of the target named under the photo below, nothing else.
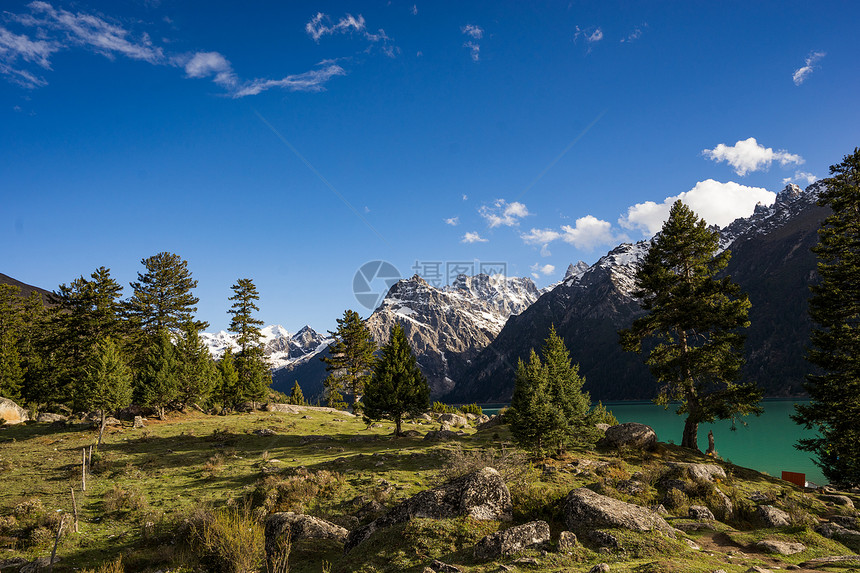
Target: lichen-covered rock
(780, 547)
(599, 568)
(631, 434)
(513, 540)
(604, 539)
(139, 422)
(50, 418)
(700, 512)
(772, 517)
(491, 422)
(587, 510)
(845, 536)
(295, 527)
(837, 499)
(705, 472)
(441, 435)
(12, 413)
(454, 420)
(567, 541)
(481, 495)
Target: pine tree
(227, 393)
(157, 383)
(296, 395)
(35, 351)
(397, 386)
(11, 372)
(107, 386)
(834, 390)
(549, 408)
(162, 295)
(251, 366)
(196, 371)
(351, 360)
(695, 321)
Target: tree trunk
(691, 434)
(397, 425)
(101, 428)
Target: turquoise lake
(766, 443)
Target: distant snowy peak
(620, 264)
(280, 347)
(575, 271)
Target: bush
(111, 567)
(297, 492)
(512, 464)
(470, 409)
(228, 540)
(600, 415)
(118, 499)
(440, 408)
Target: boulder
(604, 539)
(483, 419)
(454, 420)
(705, 472)
(842, 500)
(481, 495)
(847, 537)
(780, 547)
(139, 422)
(492, 421)
(512, 541)
(49, 418)
(264, 432)
(567, 541)
(12, 413)
(437, 566)
(631, 434)
(39, 565)
(599, 568)
(772, 517)
(701, 513)
(298, 527)
(283, 408)
(587, 510)
(602, 427)
(441, 435)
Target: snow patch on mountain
(280, 346)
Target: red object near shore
(795, 478)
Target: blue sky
(292, 142)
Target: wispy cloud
(211, 64)
(716, 202)
(453, 221)
(475, 33)
(748, 155)
(586, 233)
(801, 177)
(474, 50)
(472, 237)
(800, 74)
(310, 81)
(414, 10)
(321, 25)
(545, 270)
(502, 213)
(635, 34)
(591, 35)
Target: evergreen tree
(351, 359)
(162, 295)
(296, 395)
(34, 350)
(397, 386)
(251, 366)
(549, 408)
(196, 371)
(107, 386)
(157, 383)
(11, 372)
(227, 393)
(834, 390)
(695, 321)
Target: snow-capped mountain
(448, 326)
(770, 259)
(281, 347)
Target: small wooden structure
(797, 479)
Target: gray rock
(481, 495)
(705, 472)
(585, 510)
(780, 547)
(12, 413)
(47, 417)
(631, 435)
(513, 540)
(772, 517)
(425, 417)
(38, 565)
(757, 569)
(483, 419)
(842, 500)
(439, 567)
(599, 568)
(604, 539)
(700, 512)
(696, 526)
(139, 422)
(440, 435)
(298, 527)
(567, 541)
(846, 521)
(847, 537)
(492, 422)
(603, 427)
(264, 432)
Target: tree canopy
(351, 358)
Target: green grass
(149, 485)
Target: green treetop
(693, 323)
(251, 365)
(351, 360)
(108, 383)
(162, 295)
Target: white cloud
(748, 155)
(453, 221)
(414, 9)
(465, 197)
(471, 237)
(540, 236)
(206, 64)
(589, 232)
(635, 34)
(317, 27)
(545, 270)
(800, 74)
(718, 203)
(800, 177)
(595, 36)
(474, 50)
(310, 81)
(502, 213)
(591, 35)
(473, 31)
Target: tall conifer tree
(351, 360)
(158, 379)
(162, 295)
(108, 383)
(11, 371)
(834, 390)
(696, 320)
(251, 365)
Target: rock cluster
(587, 510)
(631, 435)
(512, 540)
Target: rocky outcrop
(770, 516)
(701, 513)
(49, 418)
(513, 540)
(780, 547)
(587, 510)
(292, 527)
(704, 472)
(454, 420)
(630, 435)
(293, 409)
(12, 413)
(481, 495)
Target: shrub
(118, 499)
(110, 567)
(440, 408)
(676, 501)
(297, 492)
(228, 540)
(470, 409)
(600, 415)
